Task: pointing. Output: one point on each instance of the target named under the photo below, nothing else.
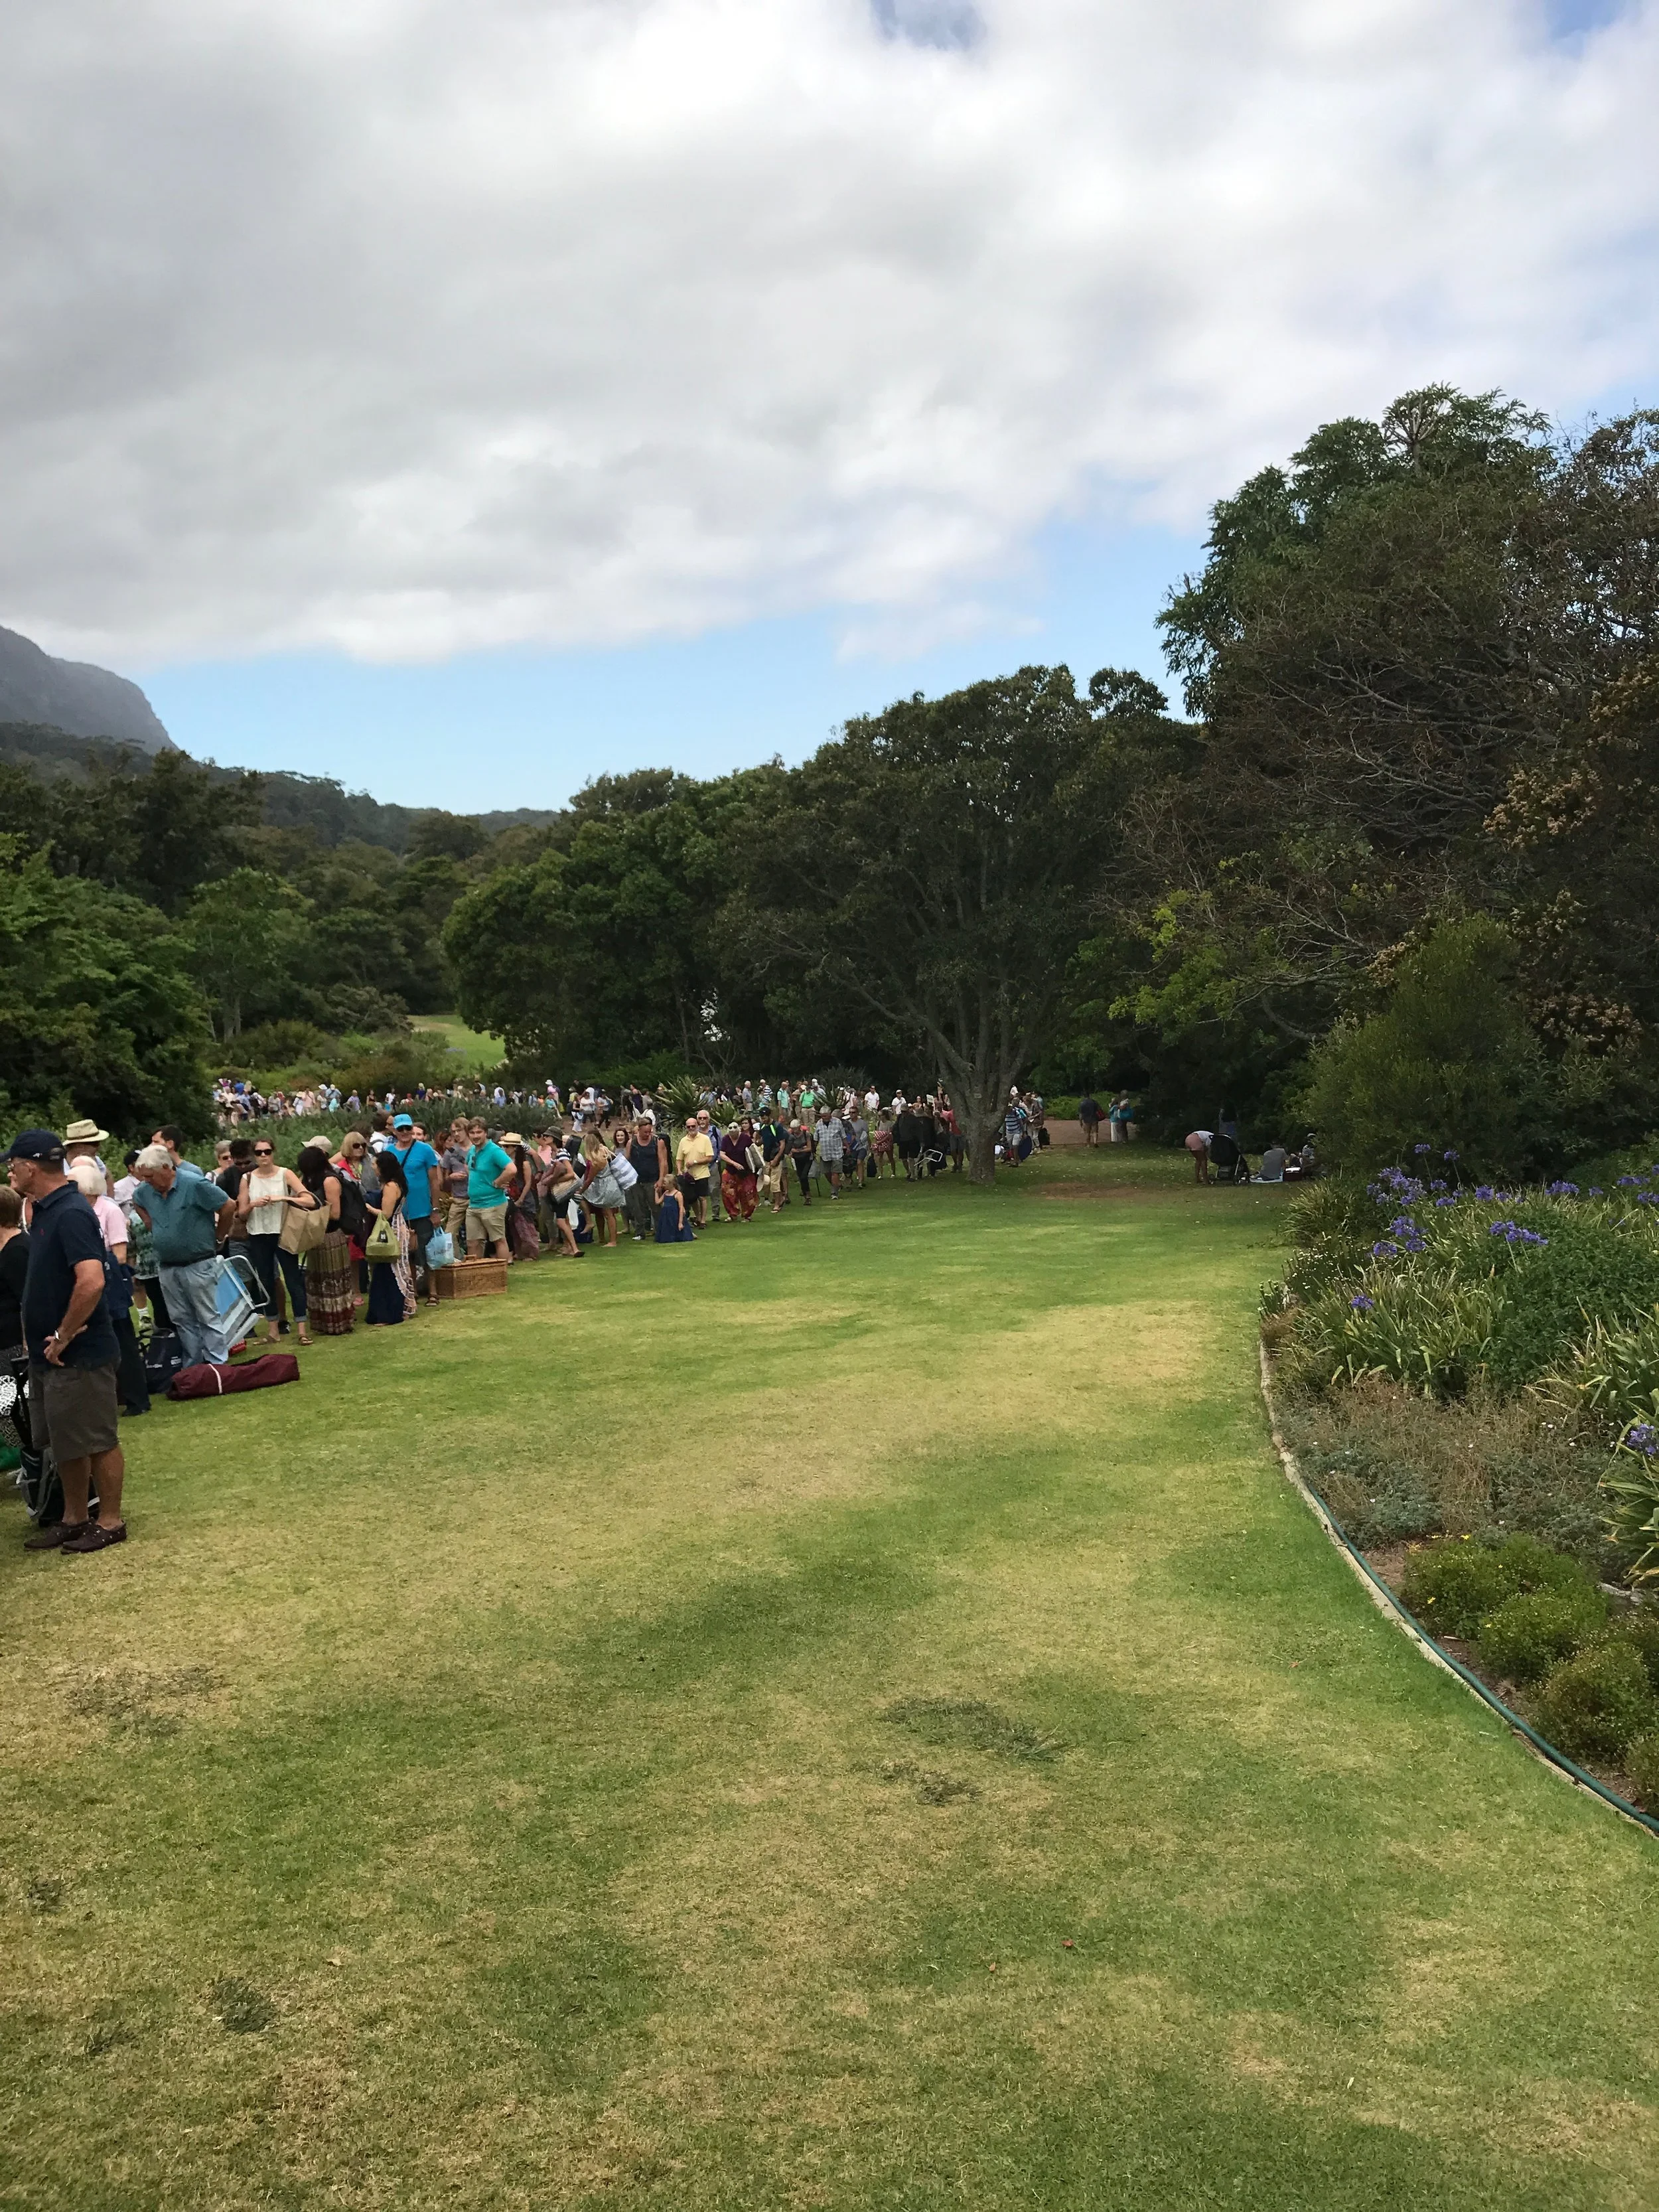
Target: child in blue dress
(673, 1215)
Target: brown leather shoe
(52, 1539)
(94, 1538)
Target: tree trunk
(982, 1153)
(979, 1125)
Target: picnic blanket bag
(221, 1381)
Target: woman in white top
(262, 1207)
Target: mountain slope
(74, 695)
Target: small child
(673, 1215)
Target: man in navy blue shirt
(72, 1348)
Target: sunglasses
(261, 1151)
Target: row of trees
(1406, 828)
(152, 910)
(1419, 663)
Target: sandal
(94, 1537)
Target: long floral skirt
(331, 1285)
(737, 1193)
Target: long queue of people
(99, 1269)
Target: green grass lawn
(846, 1714)
(476, 1049)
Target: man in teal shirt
(488, 1172)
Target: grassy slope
(505, 1706)
(476, 1049)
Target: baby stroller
(1227, 1161)
(37, 1472)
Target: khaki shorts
(485, 1224)
(74, 1409)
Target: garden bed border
(1384, 1599)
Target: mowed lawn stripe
(846, 1714)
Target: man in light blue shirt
(425, 1173)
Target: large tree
(604, 950)
(99, 1013)
(937, 864)
(1384, 637)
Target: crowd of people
(104, 1261)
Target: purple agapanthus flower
(1642, 1437)
(1445, 1202)
(1383, 1250)
(1485, 1190)
(1419, 1148)
(1596, 1191)
(1561, 1189)
(1627, 1183)
(1361, 1303)
(1448, 1155)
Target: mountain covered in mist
(74, 696)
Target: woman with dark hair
(392, 1282)
(330, 1270)
(737, 1157)
(523, 1234)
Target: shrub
(1426, 1330)
(1614, 1373)
(1529, 1633)
(1451, 1059)
(1487, 1465)
(1642, 1764)
(1452, 1587)
(1640, 1630)
(1588, 1270)
(1532, 1566)
(1594, 1706)
(1632, 1485)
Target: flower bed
(1469, 1378)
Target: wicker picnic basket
(470, 1279)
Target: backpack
(354, 1211)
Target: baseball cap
(402, 1120)
(35, 1145)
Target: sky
(464, 397)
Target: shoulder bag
(303, 1229)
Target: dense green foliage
(1433, 1290)
(1596, 1705)
(1529, 1633)
(161, 918)
(99, 1013)
(1424, 656)
(1398, 882)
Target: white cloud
(411, 328)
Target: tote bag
(303, 1231)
